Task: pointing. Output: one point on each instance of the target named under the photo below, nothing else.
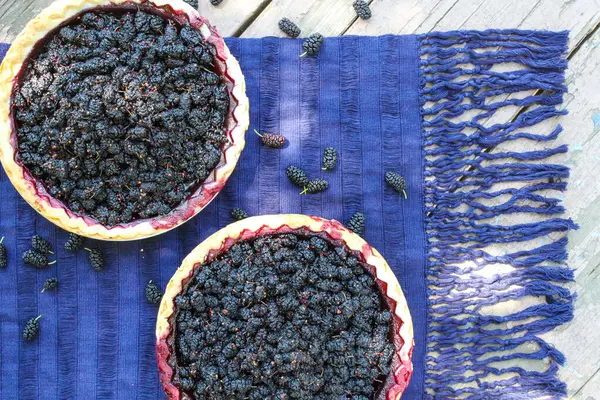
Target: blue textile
(422, 106)
(360, 95)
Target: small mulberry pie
(120, 119)
(284, 307)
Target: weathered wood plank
(231, 15)
(420, 16)
(580, 340)
(14, 15)
(589, 391)
(329, 17)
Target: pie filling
(282, 316)
(121, 114)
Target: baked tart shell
(53, 17)
(401, 368)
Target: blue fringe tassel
(461, 88)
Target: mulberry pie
(120, 119)
(284, 307)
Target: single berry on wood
(289, 28)
(96, 259)
(32, 328)
(362, 9)
(272, 140)
(297, 176)
(74, 242)
(397, 182)
(3, 254)
(193, 3)
(50, 284)
(36, 259)
(238, 214)
(330, 157)
(356, 223)
(312, 44)
(41, 245)
(153, 293)
(316, 186)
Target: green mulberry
(32, 328)
(96, 259)
(238, 214)
(312, 44)
(397, 182)
(330, 158)
(153, 293)
(297, 176)
(356, 223)
(50, 284)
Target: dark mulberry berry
(316, 186)
(153, 293)
(272, 140)
(238, 214)
(3, 254)
(32, 328)
(41, 245)
(356, 223)
(312, 44)
(330, 158)
(50, 284)
(289, 28)
(74, 242)
(194, 3)
(297, 176)
(396, 181)
(96, 259)
(36, 259)
(362, 9)
(216, 2)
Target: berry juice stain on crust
(281, 316)
(107, 102)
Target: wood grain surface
(580, 339)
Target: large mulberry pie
(120, 119)
(284, 307)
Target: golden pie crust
(254, 226)
(33, 192)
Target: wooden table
(579, 340)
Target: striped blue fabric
(422, 106)
(361, 96)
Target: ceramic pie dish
(107, 163)
(257, 270)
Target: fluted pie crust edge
(33, 192)
(248, 228)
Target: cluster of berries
(108, 101)
(289, 314)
